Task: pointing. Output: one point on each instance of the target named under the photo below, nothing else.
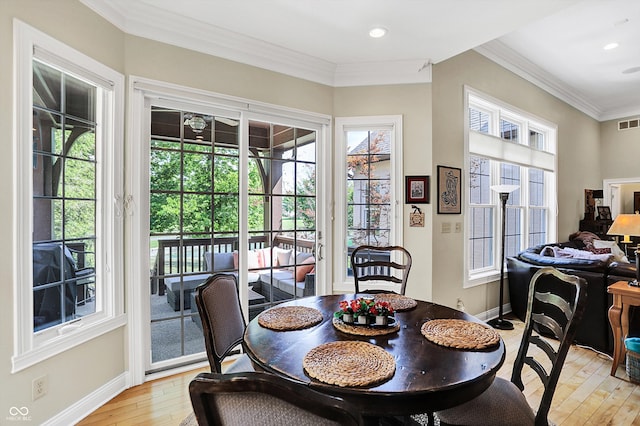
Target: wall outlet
(39, 387)
(458, 227)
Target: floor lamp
(503, 191)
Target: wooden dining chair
(371, 263)
(555, 306)
(223, 324)
(265, 399)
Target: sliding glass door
(201, 221)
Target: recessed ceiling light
(378, 32)
(610, 46)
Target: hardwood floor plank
(586, 394)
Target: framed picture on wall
(417, 189)
(449, 190)
(604, 213)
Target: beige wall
(433, 135)
(620, 150)
(578, 149)
(74, 374)
(158, 61)
(413, 102)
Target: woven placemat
(363, 330)
(460, 334)
(285, 318)
(349, 363)
(398, 302)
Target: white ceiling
(557, 44)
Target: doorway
(619, 194)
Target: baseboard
(493, 313)
(87, 405)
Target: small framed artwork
(604, 213)
(449, 190)
(417, 189)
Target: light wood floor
(586, 394)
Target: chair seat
(242, 364)
(501, 404)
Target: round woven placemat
(363, 330)
(285, 318)
(398, 301)
(460, 334)
(349, 363)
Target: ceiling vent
(629, 124)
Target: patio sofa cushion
(284, 280)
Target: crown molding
(621, 113)
(510, 59)
(379, 73)
(156, 24)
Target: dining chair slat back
(223, 324)
(555, 307)
(371, 263)
(265, 399)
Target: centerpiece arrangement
(365, 311)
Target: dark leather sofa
(594, 330)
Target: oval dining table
(428, 377)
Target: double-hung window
(68, 202)
(506, 146)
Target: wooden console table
(624, 296)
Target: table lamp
(504, 191)
(628, 225)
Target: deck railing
(186, 256)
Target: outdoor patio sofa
(274, 273)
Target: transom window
(498, 154)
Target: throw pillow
(618, 254)
(583, 239)
(266, 256)
(252, 260)
(222, 261)
(282, 256)
(307, 266)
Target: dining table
(427, 377)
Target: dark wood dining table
(428, 377)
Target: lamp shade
(625, 224)
(504, 189)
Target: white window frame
(342, 283)
(29, 347)
(142, 94)
(498, 150)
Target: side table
(624, 296)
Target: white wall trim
(82, 408)
(159, 25)
(508, 58)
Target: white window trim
(342, 283)
(514, 153)
(30, 349)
